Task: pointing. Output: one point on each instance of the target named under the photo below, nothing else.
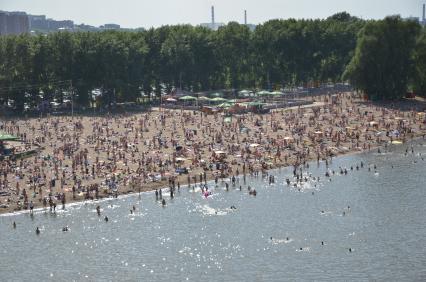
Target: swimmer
(322, 243)
(65, 229)
(37, 231)
(14, 225)
(350, 250)
(98, 210)
(163, 202)
(106, 219)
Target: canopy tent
(8, 137)
(203, 98)
(225, 105)
(263, 93)
(233, 101)
(187, 98)
(245, 92)
(218, 99)
(217, 94)
(255, 104)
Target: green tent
(8, 137)
(187, 98)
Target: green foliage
(383, 61)
(123, 65)
(419, 81)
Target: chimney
(213, 16)
(245, 16)
(424, 8)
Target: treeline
(123, 65)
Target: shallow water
(196, 239)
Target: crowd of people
(91, 157)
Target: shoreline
(148, 190)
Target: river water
(378, 214)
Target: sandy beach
(85, 158)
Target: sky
(154, 13)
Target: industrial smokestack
(213, 16)
(424, 11)
(245, 17)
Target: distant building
(110, 26)
(85, 27)
(41, 24)
(55, 25)
(38, 22)
(14, 23)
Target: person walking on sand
(31, 207)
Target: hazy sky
(144, 13)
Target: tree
(383, 60)
(419, 77)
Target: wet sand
(96, 156)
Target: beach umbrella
(187, 98)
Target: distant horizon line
(205, 23)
